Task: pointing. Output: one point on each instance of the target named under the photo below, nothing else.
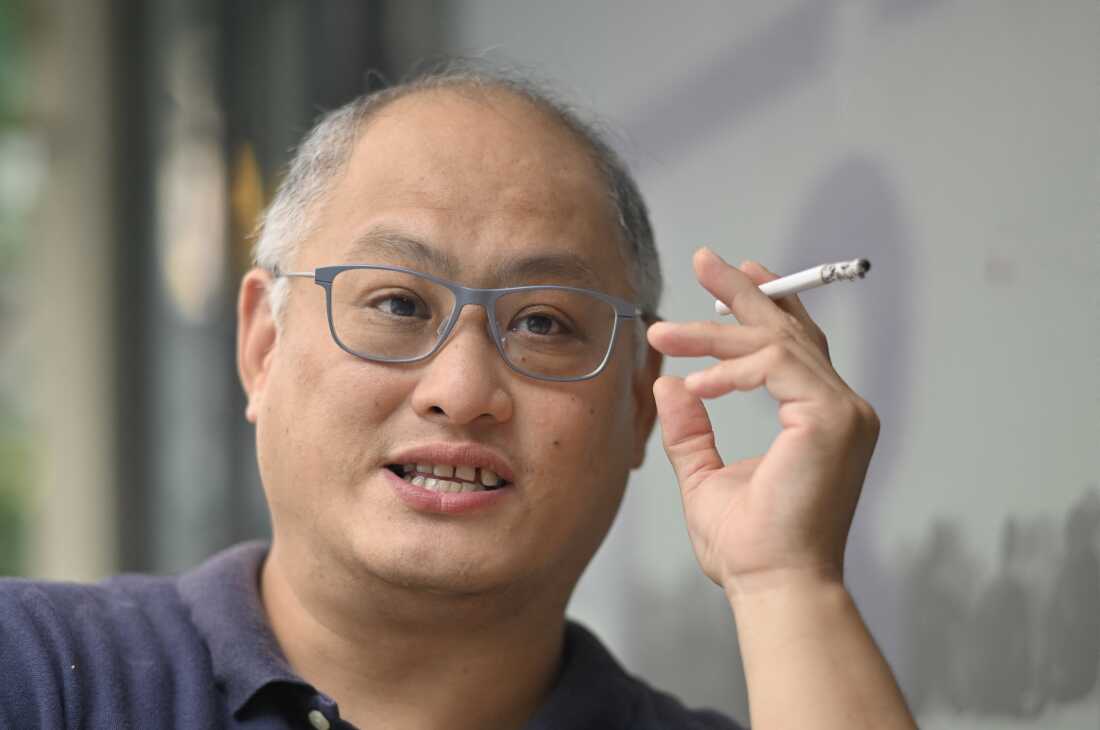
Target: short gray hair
(325, 151)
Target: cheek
(581, 436)
(560, 426)
(574, 444)
(316, 427)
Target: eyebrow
(548, 267)
(395, 245)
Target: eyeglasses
(396, 315)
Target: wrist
(785, 584)
(802, 628)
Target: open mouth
(449, 478)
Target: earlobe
(256, 337)
(644, 404)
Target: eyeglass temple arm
(301, 274)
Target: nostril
(437, 409)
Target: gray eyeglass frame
(486, 298)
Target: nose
(464, 381)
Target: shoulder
(68, 648)
(593, 675)
(657, 709)
(117, 591)
(51, 615)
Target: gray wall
(955, 145)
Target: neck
(400, 658)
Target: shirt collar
(592, 690)
(223, 596)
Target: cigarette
(809, 279)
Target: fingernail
(692, 380)
(715, 254)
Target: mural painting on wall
(1025, 638)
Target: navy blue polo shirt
(196, 651)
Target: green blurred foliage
(13, 78)
(14, 478)
(15, 458)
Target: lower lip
(448, 503)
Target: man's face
(486, 181)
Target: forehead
(479, 175)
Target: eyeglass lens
(395, 315)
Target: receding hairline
(481, 93)
(478, 93)
(488, 94)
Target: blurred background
(955, 143)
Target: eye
(401, 305)
(541, 324)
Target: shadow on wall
(854, 209)
(1028, 638)
(688, 644)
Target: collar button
(318, 720)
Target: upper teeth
(448, 478)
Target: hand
(784, 515)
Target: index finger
(736, 290)
(790, 304)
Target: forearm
(810, 661)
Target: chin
(455, 581)
(443, 584)
(443, 569)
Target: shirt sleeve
(37, 660)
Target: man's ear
(645, 407)
(256, 337)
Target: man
(444, 355)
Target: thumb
(686, 432)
